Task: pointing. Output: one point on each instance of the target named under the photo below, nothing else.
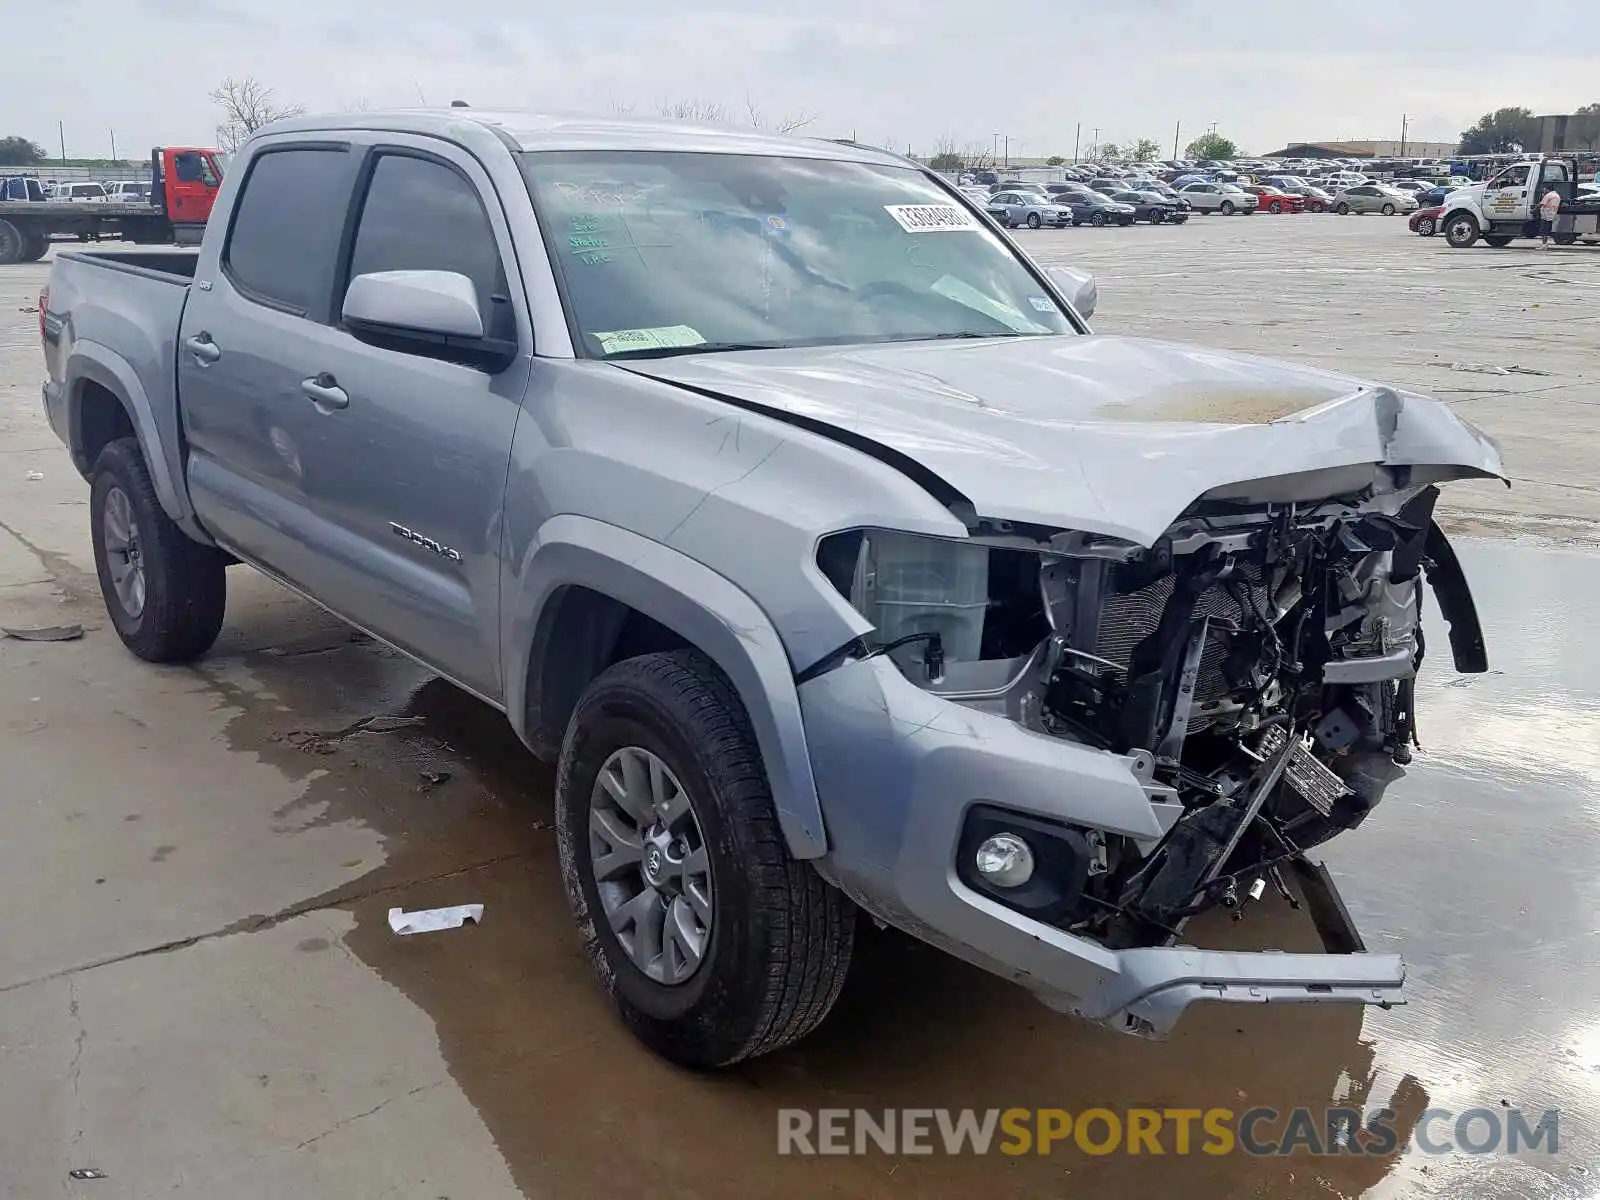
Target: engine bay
(1255, 666)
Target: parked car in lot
(1096, 208)
(80, 193)
(1224, 198)
(1425, 221)
(1315, 199)
(1032, 209)
(1274, 200)
(1153, 207)
(853, 578)
(1374, 198)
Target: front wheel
(1426, 228)
(711, 941)
(1343, 210)
(1033, 221)
(1097, 219)
(1156, 217)
(1461, 230)
(13, 244)
(1226, 208)
(1387, 210)
(1275, 207)
(164, 592)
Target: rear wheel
(1461, 230)
(164, 592)
(713, 943)
(13, 244)
(1564, 239)
(36, 247)
(1498, 240)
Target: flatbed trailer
(185, 182)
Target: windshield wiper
(697, 348)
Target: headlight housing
(908, 584)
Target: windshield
(674, 253)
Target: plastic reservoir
(922, 585)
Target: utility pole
(995, 155)
(1177, 132)
(1076, 134)
(61, 132)
(113, 145)
(1404, 120)
(1008, 151)
(1094, 146)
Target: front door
(191, 185)
(423, 441)
(1507, 197)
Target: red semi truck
(184, 183)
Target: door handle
(324, 391)
(205, 351)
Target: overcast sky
(906, 71)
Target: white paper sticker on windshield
(931, 218)
(661, 338)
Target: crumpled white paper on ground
(428, 920)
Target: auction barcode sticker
(931, 218)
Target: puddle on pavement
(1480, 867)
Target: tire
(1498, 240)
(1226, 208)
(1097, 219)
(776, 941)
(1342, 209)
(1564, 239)
(1275, 207)
(1156, 216)
(13, 244)
(181, 589)
(1426, 227)
(1461, 230)
(36, 247)
(1387, 210)
(1033, 221)
(1125, 222)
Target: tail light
(44, 304)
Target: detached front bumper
(898, 770)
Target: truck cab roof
(520, 131)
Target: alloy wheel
(651, 867)
(124, 553)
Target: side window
(189, 168)
(421, 215)
(286, 227)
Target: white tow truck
(1506, 206)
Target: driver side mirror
(431, 313)
(1077, 286)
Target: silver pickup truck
(766, 485)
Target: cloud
(889, 70)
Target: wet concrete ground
(200, 994)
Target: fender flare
(699, 605)
(93, 362)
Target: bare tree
(695, 110)
(622, 108)
(786, 124)
(247, 105)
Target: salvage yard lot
(200, 994)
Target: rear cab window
(283, 241)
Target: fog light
(1004, 860)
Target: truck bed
(176, 265)
(51, 210)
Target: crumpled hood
(1108, 435)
